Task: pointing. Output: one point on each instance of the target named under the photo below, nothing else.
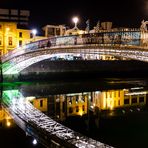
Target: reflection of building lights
(8, 123)
(123, 111)
(92, 106)
(34, 142)
(80, 112)
(131, 110)
(31, 98)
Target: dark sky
(127, 13)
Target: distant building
(54, 30)
(14, 30)
(40, 104)
(106, 25)
(14, 15)
(11, 36)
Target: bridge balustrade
(115, 39)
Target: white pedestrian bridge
(125, 44)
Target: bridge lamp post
(75, 20)
(34, 32)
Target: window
(126, 101)
(77, 108)
(0, 40)
(20, 34)
(20, 42)
(134, 100)
(41, 103)
(70, 110)
(77, 98)
(83, 108)
(118, 102)
(10, 41)
(141, 99)
(119, 94)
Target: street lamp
(34, 32)
(75, 20)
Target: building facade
(54, 30)
(11, 36)
(15, 15)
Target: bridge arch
(127, 46)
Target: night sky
(123, 13)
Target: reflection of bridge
(48, 128)
(127, 44)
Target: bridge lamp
(75, 20)
(34, 32)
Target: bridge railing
(120, 38)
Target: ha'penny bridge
(42, 127)
(131, 44)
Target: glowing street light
(34, 32)
(75, 20)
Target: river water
(111, 110)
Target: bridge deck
(25, 110)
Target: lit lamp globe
(34, 32)
(75, 20)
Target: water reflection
(94, 108)
(6, 120)
(108, 102)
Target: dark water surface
(113, 111)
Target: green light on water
(8, 95)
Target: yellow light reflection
(80, 112)
(8, 123)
